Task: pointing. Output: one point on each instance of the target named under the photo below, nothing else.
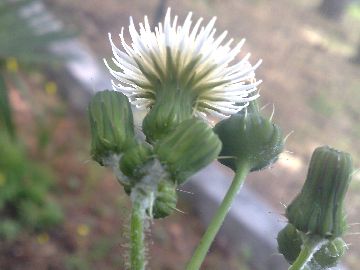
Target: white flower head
(183, 58)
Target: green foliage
(19, 38)
(321, 104)
(9, 229)
(24, 186)
(354, 10)
(76, 263)
(25, 35)
(6, 121)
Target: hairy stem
(309, 248)
(137, 253)
(218, 219)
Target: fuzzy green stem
(218, 219)
(309, 248)
(137, 256)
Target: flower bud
(134, 159)
(187, 149)
(289, 243)
(111, 121)
(171, 108)
(329, 254)
(249, 138)
(318, 209)
(166, 199)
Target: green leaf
(19, 39)
(6, 119)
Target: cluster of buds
(154, 167)
(181, 75)
(151, 169)
(318, 211)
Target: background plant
(25, 36)
(24, 188)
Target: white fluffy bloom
(183, 58)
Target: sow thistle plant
(185, 77)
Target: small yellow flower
(83, 230)
(51, 88)
(42, 238)
(12, 64)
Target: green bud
(249, 138)
(289, 243)
(329, 255)
(318, 209)
(134, 159)
(165, 201)
(111, 121)
(187, 149)
(172, 107)
(127, 188)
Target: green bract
(329, 254)
(173, 106)
(134, 159)
(165, 201)
(248, 137)
(111, 122)
(290, 242)
(318, 209)
(187, 149)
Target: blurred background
(60, 210)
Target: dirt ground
(307, 76)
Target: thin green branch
(218, 219)
(137, 252)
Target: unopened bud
(187, 149)
(289, 243)
(133, 160)
(111, 122)
(249, 138)
(171, 108)
(166, 199)
(318, 209)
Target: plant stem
(137, 256)
(218, 219)
(310, 247)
